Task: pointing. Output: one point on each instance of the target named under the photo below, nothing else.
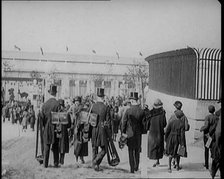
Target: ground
(18, 161)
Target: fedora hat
(53, 89)
(157, 104)
(133, 95)
(100, 92)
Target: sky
(124, 26)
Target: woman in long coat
(156, 125)
(80, 129)
(174, 137)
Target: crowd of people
(117, 115)
(21, 113)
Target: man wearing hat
(99, 135)
(132, 129)
(210, 123)
(50, 139)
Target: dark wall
(173, 72)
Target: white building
(73, 74)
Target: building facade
(74, 75)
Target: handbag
(181, 150)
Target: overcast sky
(123, 26)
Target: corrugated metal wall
(174, 72)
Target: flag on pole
(117, 55)
(67, 48)
(140, 54)
(94, 51)
(41, 51)
(17, 48)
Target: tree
(138, 73)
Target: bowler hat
(53, 89)
(178, 105)
(157, 104)
(133, 95)
(100, 92)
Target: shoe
(82, 160)
(155, 164)
(169, 170)
(56, 165)
(206, 166)
(175, 166)
(136, 169)
(132, 171)
(97, 168)
(62, 161)
(179, 168)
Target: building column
(76, 87)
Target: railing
(208, 72)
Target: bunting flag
(41, 51)
(94, 51)
(117, 55)
(140, 54)
(17, 48)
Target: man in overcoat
(50, 139)
(99, 135)
(209, 124)
(132, 129)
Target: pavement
(192, 166)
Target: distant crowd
(21, 113)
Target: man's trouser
(134, 156)
(55, 149)
(206, 154)
(98, 157)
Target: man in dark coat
(99, 135)
(217, 150)
(132, 129)
(64, 138)
(210, 122)
(156, 125)
(51, 105)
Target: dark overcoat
(64, 140)
(32, 119)
(156, 125)
(132, 126)
(51, 105)
(175, 136)
(99, 136)
(209, 129)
